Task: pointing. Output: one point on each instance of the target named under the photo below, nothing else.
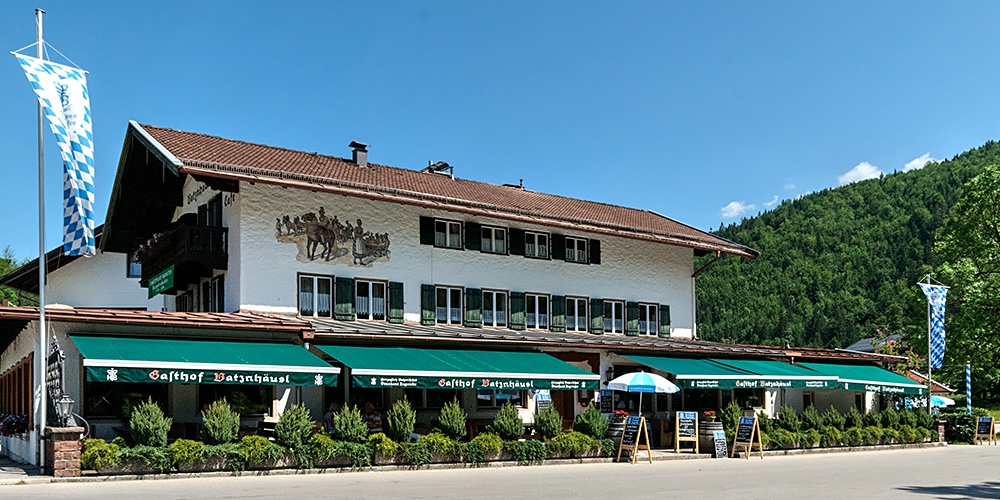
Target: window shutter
(395, 302)
(473, 308)
(515, 241)
(517, 311)
(558, 246)
(558, 308)
(664, 320)
(597, 316)
(595, 252)
(631, 318)
(343, 308)
(428, 305)
(473, 236)
(426, 230)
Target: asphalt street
(949, 472)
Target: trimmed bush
(452, 420)
(415, 454)
(892, 419)
(148, 425)
(548, 423)
(923, 433)
(155, 457)
(833, 418)
(830, 436)
(220, 423)
(526, 452)
(98, 453)
(186, 451)
(853, 418)
(294, 427)
(872, 418)
(591, 422)
(400, 419)
(906, 417)
(811, 419)
(571, 442)
(873, 435)
(788, 419)
(890, 436)
(443, 446)
(322, 446)
(854, 436)
(508, 423)
(382, 444)
(349, 426)
(907, 434)
(959, 427)
(784, 439)
(809, 438)
(488, 442)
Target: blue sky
(701, 111)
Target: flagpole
(930, 384)
(42, 341)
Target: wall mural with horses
(325, 239)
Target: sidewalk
(12, 472)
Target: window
(184, 302)
(494, 308)
(648, 315)
(316, 296)
(369, 300)
(114, 399)
(489, 398)
(210, 214)
(449, 305)
(494, 240)
(576, 314)
(245, 400)
(576, 249)
(213, 297)
(614, 316)
(433, 398)
(536, 245)
(447, 234)
(133, 267)
(536, 308)
(808, 399)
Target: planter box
(285, 462)
(591, 453)
(333, 462)
(497, 456)
(130, 467)
(443, 458)
(210, 464)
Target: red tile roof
(238, 320)
(227, 158)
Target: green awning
(130, 359)
(736, 374)
(458, 369)
(868, 378)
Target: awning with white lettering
(458, 369)
(737, 373)
(868, 378)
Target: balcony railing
(192, 247)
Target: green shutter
(473, 236)
(428, 305)
(517, 311)
(558, 313)
(515, 242)
(395, 302)
(597, 316)
(343, 308)
(631, 319)
(426, 230)
(558, 247)
(473, 308)
(664, 320)
(595, 252)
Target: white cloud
(860, 172)
(789, 186)
(920, 162)
(735, 209)
(771, 203)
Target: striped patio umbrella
(642, 382)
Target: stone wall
(62, 450)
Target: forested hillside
(838, 264)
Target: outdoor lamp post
(64, 409)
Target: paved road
(952, 472)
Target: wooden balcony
(194, 251)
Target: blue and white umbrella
(941, 401)
(643, 382)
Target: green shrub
(148, 425)
(853, 418)
(186, 451)
(322, 446)
(959, 427)
(765, 440)
(382, 444)
(258, 450)
(591, 422)
(811, 419)
(872, 418)
(488, 442)
(508, 423)
(890, 436)
(415, 454)
(923, 433)
(873, 435)
(452, 420)
(809, 438)
(526, 452)
(854, 436)
(548, 423)
(571, 442)
(98, 453)
(293, 428)
(473, 454)
(906, 417)
(608, 447)
(443, 446)
(925, 420)
(349, 426)
(220, 423)
(784, 439)
(830, 436)
(907, 434)
(155, 457)
(788, 419)
(119, 442)
(833, 418)
(730, 415)
(360, 454)
(400, 419)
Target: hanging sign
(635, 437)
(607, 401)
(685, 429)
(985, 431)
(747, 436)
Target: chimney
(360, 153)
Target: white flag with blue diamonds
(62, 91)
(936, 296)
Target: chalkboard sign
(744, 431)
(607, 401)
(635, 437)
(720, 444)
(631, 433)
(984, 431)
(685, 429)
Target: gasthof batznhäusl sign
(230, 377)
(419, 382)
(756, 384)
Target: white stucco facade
(98, 281)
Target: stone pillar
(62, 450)
(940, 429)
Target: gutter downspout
(694, 297)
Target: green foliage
(872, 418)
(833, 418)
(811, 419)
(488, 442)
(853, 418)
(526, 452)
(415, 454)
(186, 451)
(322, 446)
(148, 425)
(608, 447)
(891, 419)
(784, 439)
(730, 416)
(294, 427)
(349, 426)
(382, 444)
(443, 446)
(854, 436)
(452, 420)
(809, 438)
(907, 434)
(548, 423)
(257, 450)
(924, 419)
(591, 422)
(400, 419)
(905, 417)
(788, 419)
(119, 442)
(890, 436)
(98, 453)
(923, 433)
(360, 454)
(221, 424)
(959, 427)
(873, 435)
(508, 423)
(154, 457)
(473, 454)
(830, 436)
(572, 442)
(765, 422)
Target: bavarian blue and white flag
(62, 91)
(936, 295)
